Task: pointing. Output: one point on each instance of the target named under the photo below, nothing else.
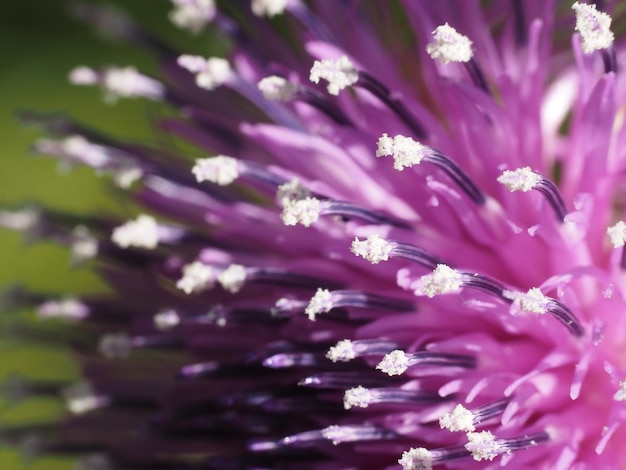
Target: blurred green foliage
(41, 43)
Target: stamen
(534, 301)
(376, 249)
(197, 277)
(269, 8)
(232, 278)
(525, 179)
(406, 152)
(443, 280)
(143, 232)
(84, 246)
(115, 346)
(462, 419)
(594, 27)
(363, 397)
(221, 170)
(210, 73)
(356, 433)
(166, 320)
(343, 380)
(484, 446)
(71, 309)
(417, 458)
(346, 350)
(339, 73)
(21, 220)
(617, 234)
(324, 300)
(397, 362)
(284, 360)
(119, 82)
(81, 398)
(276, 88)
(449, 45)
(192, 15)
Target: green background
(39, 44)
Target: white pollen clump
(449, 45)
(268, 7)
(394, 363)
(81, 398)
(338, 434)
(532, 301)
(221, 170)
(70, 308)
(321, 302)
(339, 73)
(522, 179)
(166, 319)
(405, 151)
(115, 346)
(343, 351)
(357, 396)
(620, 395)
(484, 446)
(127, 82)
(143, 232)
(22, 220)
(82, 75)
(594, 27)
(232, 278)
(304, 211)
(197, 277)
(84, 246)
(192, 15)
(443, 280)
(460, 419)
(617, 234)
(292, 190)
(276, 88)
(126, 176)
(418, 458)
(374, 249)
(210, 73)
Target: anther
(324, 300)
(346, 350)
(595, 30)
(143, 232)
(192, 15)
(361, 397)
(376, 249)
(398, 362)
(617, 234)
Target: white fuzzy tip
(127, 82)
(81, 398)
(483, 446)
(84, 246)
(594, 27)
(220, 170)
(276, 88)
(338, 73)
(291, 191)
(304, 211)
(232, 278)
(418, 458)
(394, 363)
(197, 277)
(358, 396)
(443, 280)
(620, 395)
(70, 309)
(405, 151)
(449, 45)
(460, 419)
(21, 220)
(166, 320)
(83, 76)
(617, 234)
(115, 346)
(374, 249)
(532, 301)
(269, 7)
(522, 179)
(143, 232)
(343, 351)
(210, 73)
(321, 302)
(192, 15)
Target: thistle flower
(294, 299)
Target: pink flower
(404, 250)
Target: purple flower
(399, 246)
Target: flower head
(242, 331)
